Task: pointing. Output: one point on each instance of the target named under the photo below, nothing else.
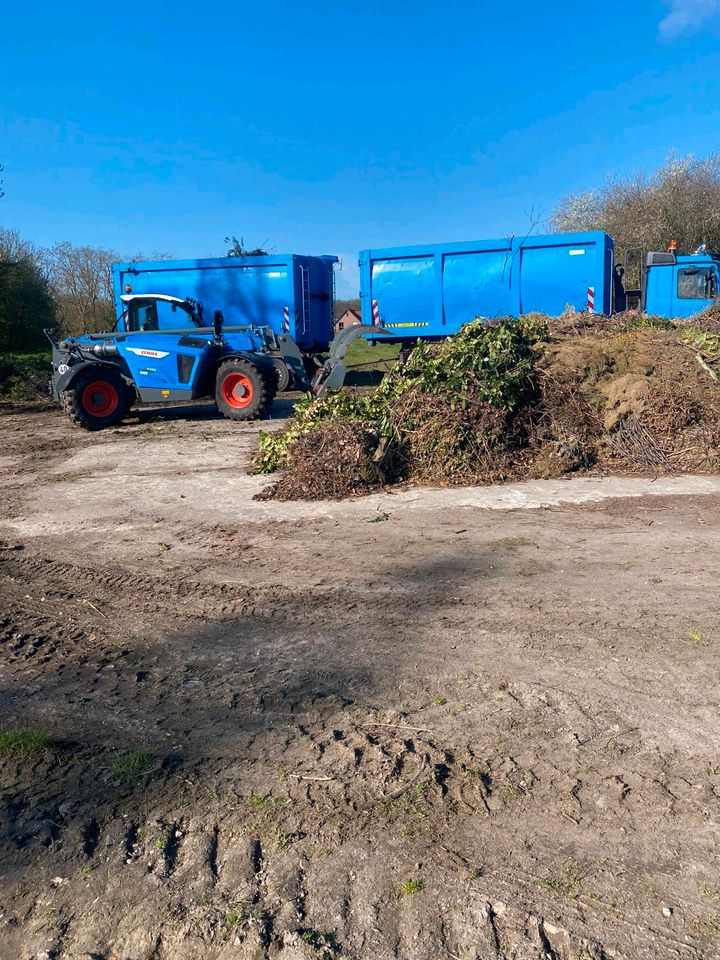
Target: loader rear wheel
(243, 391)
(96, 398)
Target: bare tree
(14, 248)
(82, 281)
(679, 201)
(153, 255)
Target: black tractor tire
(98, 397)
(244, 391)
(285, 379)
(405, 350)
(312, 364)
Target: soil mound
(537, 397)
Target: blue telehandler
(97, 378)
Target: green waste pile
(514, 399)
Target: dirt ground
(473, 724)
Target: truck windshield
(697, 283)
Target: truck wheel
(242, 391)
(96, 398)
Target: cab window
(157, 315)
(697, 283)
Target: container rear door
(405, 293)
(476, 285)
(315, 304)
(554, 277)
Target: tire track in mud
(220, 888)
(176, 600)
(167, 594)
(189, 870)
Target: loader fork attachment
(331, 375)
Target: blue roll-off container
(431, 291)
(288, 292)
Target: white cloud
(688, 17)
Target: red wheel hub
(237, 390)
(100, 398)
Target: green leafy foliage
(26, 304)
(706, 343)
(489, 362)
(409, 887)
(24, 376)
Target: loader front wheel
(96, 398)
(284, 376)
(242, 390)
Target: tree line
(679, 201)
(69, 287)
(64, 287)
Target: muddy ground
(426, 724)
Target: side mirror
(218, 320)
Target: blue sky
(328, 127)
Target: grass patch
(131, 767)
(409, 887)
(24, 743)
(265, 801)
(511, 542)
(281, 840)
(320, 939)
(362, 353)
(565, 884)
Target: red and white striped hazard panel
(591, 300)
(376, 313)
(286, 319)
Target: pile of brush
(514, 399)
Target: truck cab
(680, 286)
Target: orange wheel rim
(100, 398)
(237, 390)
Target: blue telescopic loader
(97, 378)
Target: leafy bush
(26, 302)
(24, 376)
